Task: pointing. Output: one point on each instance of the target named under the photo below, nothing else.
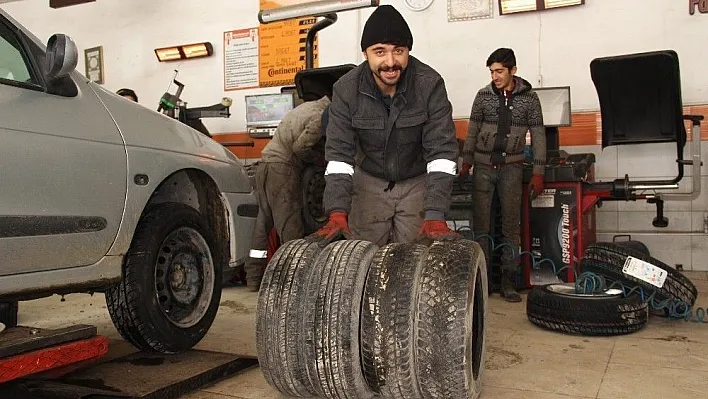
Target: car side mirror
(62, 56)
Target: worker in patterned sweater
(502, 113)
(297, 141)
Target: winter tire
(607, 260)
(281, 305)
(557, 307)
(451, 321)
(388, 314)
(171, 286)
(332, 319)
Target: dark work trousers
(280, 205)
(381, 214)
(507, 180)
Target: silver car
(99, 194)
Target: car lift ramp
(74, 363)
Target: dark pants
(507, 180)
(280, 205)
(381, 216)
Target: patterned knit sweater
(498, 126)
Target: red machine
(559, 224)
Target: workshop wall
(554, 48)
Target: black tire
(387, 330)
(451, 323)
(556, 307)
(8, 314)
(171, 241)
(331, 322)
(607, 260)
(313, 183)
(281, 304)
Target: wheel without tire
(607, 259)
(331, 320)
(281, 304)
(171, 286)
(451, 321)
(388, 310)
(557, 307)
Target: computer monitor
(555, 103)
(267, 110)
(292, 90)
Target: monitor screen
(268, 109)
(555, 102)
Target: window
(13, 64)
(515, 6)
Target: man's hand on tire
(433, 230)
(336, 228)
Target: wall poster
(282, 46)
(241, 59)
(465, 10)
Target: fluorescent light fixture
(312, 9)
(184, 52)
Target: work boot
(254, 268)
(508, 287)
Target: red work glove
(336, 227)
(464, 173)
(535, 186)
(436, 230)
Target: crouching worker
(390, 118)
(298, 141)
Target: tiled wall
(683, 241)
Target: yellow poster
(282, 46)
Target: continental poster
(282, 46)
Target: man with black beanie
(391, 146)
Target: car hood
(143, 127)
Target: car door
(62, 165)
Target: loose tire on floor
(451, 323)
(557, 307)
(171, 286)
(281, 305)
(331, 322)
(607, 259)
(388, 330)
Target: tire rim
(184, 277)
(569, 289)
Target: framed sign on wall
(517, 6)
(93, 63)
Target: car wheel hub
(184, 277)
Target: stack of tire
(622, 309)
(352, 320)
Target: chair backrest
(640, 98)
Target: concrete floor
(667, 359)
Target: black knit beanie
(386, 25)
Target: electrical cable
(592, 283)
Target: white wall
(553, 48)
